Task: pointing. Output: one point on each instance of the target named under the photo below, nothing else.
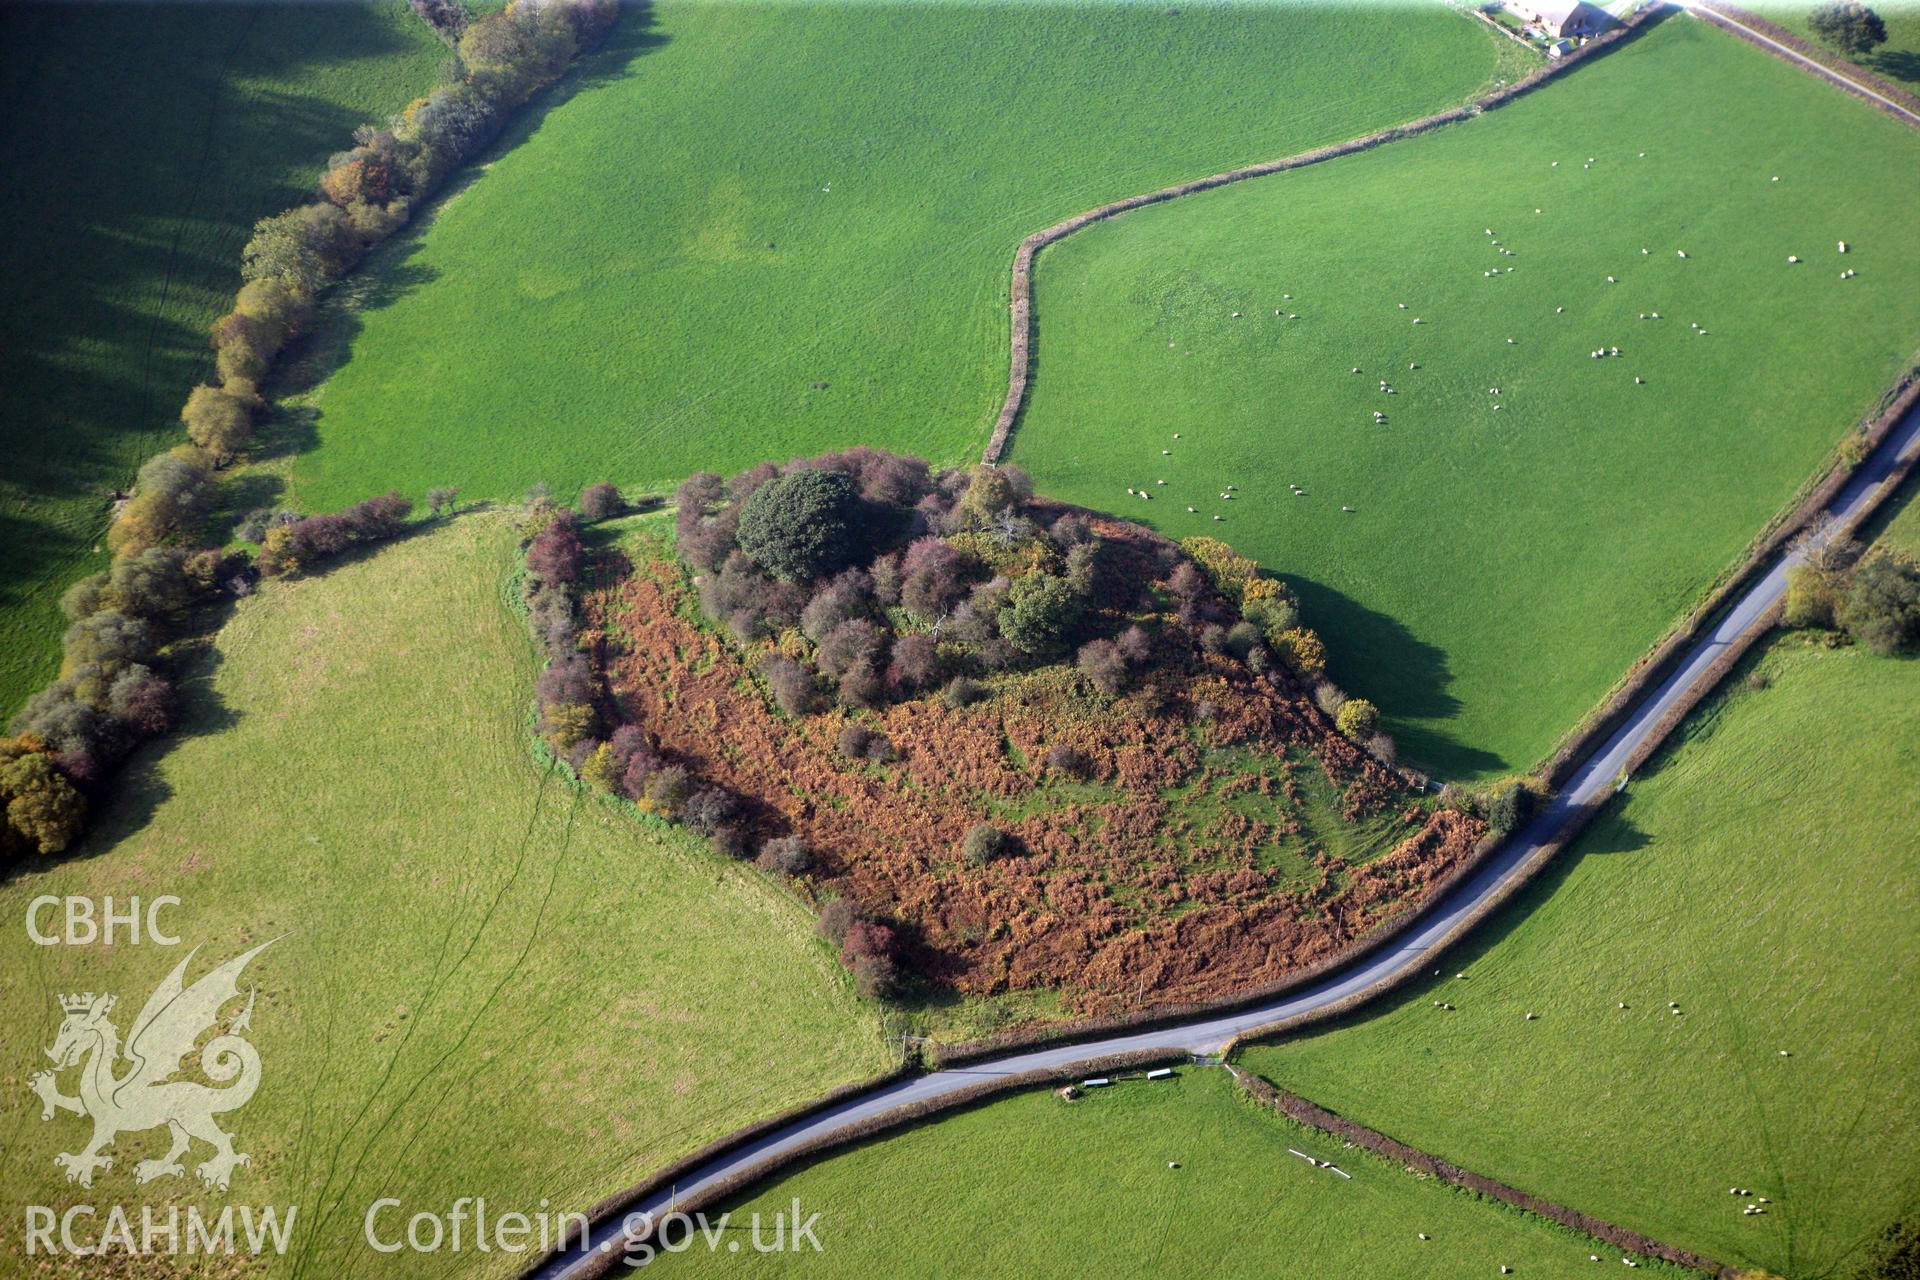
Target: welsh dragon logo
(145, 1096)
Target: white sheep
(1681, 252)
(1792, 258)
(1843, 246)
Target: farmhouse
(1560, 18)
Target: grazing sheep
(1193, 511)
(1166, 453)
(1638, 381)
(1236, 315)
(1219, 517)
(1416, 319)
(1413, 366)
(1792, 258)
(1611, 280)
(1843, 246)
(1681, 252)
(1559, 310)
(1159, 481)
(1510, 342)
(1349, 509)
(1356, 368)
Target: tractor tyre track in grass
(442, 976)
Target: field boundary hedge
(1021, 303)
(606, 1263)
(1313, 1116)
(1743, 24)
(1894, 403)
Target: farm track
(757, 1152)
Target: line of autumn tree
(112, 691)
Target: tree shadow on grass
(1375, 656)
(1899, 64)
(389, 273)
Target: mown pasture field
(765, 229)
(486, 983)
(142, 141)
(1500, 567)
(1032, 1186)
(1763, 874)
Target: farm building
(1560, 48)
(1561, 17)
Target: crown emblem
(79, 1002)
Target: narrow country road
(1421, 945)
(1819, 69)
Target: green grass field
(656, 276)
(1898, 59)
(488, 984)
(1897, 525)
(142, 142)
(1033, 1186)
(1501, 567)
(1765, 876)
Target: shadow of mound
(1374, 656)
